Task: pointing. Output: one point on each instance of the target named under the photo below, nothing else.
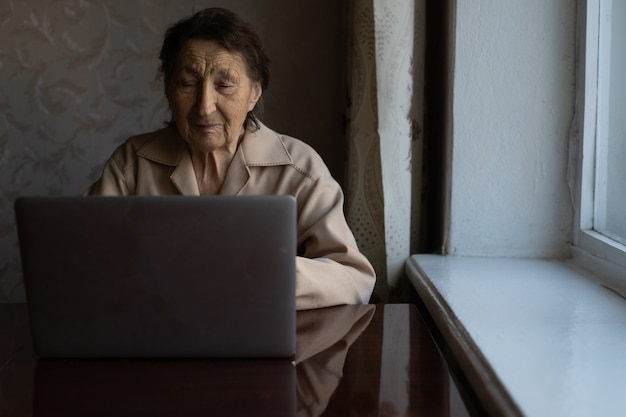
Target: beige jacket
(330, 270)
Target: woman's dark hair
(232, 33)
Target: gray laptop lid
(159, 276)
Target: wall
(513, 104)
(78, 77)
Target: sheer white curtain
(387, 43)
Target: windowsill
(531, 337)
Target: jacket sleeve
(330, 269)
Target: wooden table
(371, 360)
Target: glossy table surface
(370, 360)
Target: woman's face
(210, 94)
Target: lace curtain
(386, 82)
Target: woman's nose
(206, 100)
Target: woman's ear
(255, 95)
(167, 92)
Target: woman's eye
(187, 83)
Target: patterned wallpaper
(79, 76)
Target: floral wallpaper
(80, 76)
(77, 78)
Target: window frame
(585, 240)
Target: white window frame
(589, 245)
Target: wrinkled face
(210, 94)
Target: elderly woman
(215, 70)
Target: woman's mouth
(206, 127)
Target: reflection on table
(371, 360)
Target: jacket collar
(264, 147)
(261, 148)
(166, 147)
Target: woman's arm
(330, 269)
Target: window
(601, 191)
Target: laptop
(159, 277)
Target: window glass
(610, 183)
